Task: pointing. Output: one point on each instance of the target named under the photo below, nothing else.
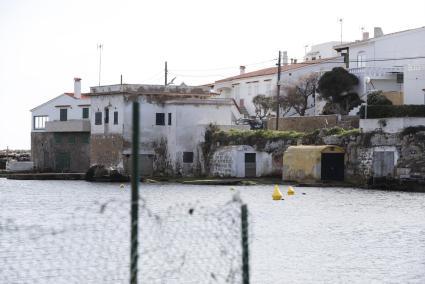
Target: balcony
(377, 72)
(77, 125)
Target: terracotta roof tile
(273, 70)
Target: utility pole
(100, 47)
(166, 73)
(278, 90)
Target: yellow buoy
(277, 195)
(291, 190)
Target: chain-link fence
(187, 243)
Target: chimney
(242, 69)
(77, 88)
(377, 32)
(284, 58)
(365, 35)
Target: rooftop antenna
(340, 22)
(100, 47)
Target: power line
(223, 68)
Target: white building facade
(60, 133)
(245, 86)
(392, 63)
(173, 121)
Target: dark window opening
(187, 157)
(98, 118)
(85, 139)
(71, 139)
(63, 114)
(169, 119)
(160, 118)
(85, 112)
(106, 115)
(115, 117)
(58, 138)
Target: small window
(160, 118)
(58, 138)
(106, 115)
(71, 139)
(188, 157)
(169, 118)
(63, 114)
(85, 139)
(40, 121)
(115, 117)
(98, 118)
(85, 112)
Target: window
(169, 118)
(98, 118)
(85, 139)
(85, 112)
(115, 117)
(361, 59)
(188, 157)
(160, 118)
(40, 121)
(63, 114)
(106, 115)
(58, 138)
(71, 139)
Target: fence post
(245, 247)
(134, 195)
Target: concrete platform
(46, 176)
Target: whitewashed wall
(392, 125)
(52, 109)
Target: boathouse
(313, 163)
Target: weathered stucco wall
(51, 151)
(106, 150)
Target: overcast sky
(45, 44)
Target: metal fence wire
(187, 243)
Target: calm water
(328, 235)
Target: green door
(63, 162)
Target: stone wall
(107, 150)
(60, 152)
(311, 123)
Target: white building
(393, 63)
(245, 86)
(322, 50)
(60, 132)
(172, 126)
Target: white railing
(376, 71)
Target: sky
(45, 44)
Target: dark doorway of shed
(250, 165)
(333, 166)
(63, 162)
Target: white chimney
(242, 69)
(77, 88)
(365, 35)
(377, 32)
(284, 58)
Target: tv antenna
(100, 47)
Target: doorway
(332, 166)
(250, 165)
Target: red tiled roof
(83, 95)
(273, 70)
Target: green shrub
(383, 111)
(377, 98)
